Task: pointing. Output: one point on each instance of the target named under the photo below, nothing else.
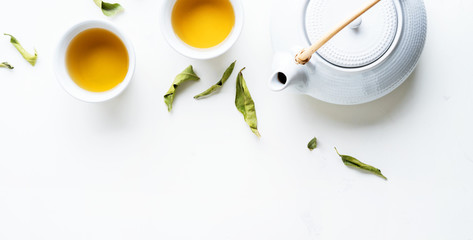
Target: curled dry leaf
(353, 162)
(26, 55)
(219, 84)
(186, 75)
(244, 103)
(109, 9)
(312, 144)
(6, 65)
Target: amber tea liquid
(97, 60)
(203, 23)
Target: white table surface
(128, 169)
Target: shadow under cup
(62, 72)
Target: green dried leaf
(109, 9)
(219, 84)
(6, 65)
(244, 103)
(353, 162)
(186, 75)
(27, 56)
(312, 144)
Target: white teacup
(200, 53)
(65, 79)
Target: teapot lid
(361, 43)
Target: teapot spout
(288, 73)
(278, 81)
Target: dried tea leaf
(244, 103)
(109, 9)
(186, 75)
(312, 144)
(353, 162)
(219, 84)
(6, 65)
(27, 56)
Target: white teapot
(363, 62)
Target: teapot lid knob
(356, 24)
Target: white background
(128, 169)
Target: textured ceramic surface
(358, 45)
(367, 73)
